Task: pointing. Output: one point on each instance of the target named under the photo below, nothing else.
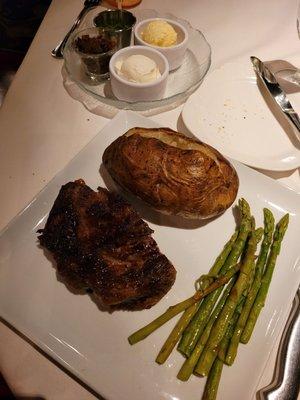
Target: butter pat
(138, 69)
(160, 33)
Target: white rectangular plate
(93, 344)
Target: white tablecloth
(42, 128)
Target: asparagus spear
(183, 305)
(204, 310)
(189, 364)
(184, 320)
(174, 336)
(226, 341)
(236, 337)
(229, 336)
(220, 260)
(194, 330)
(226, 314)
(213, 380)
(221, 351)
(205, 280)
(260, 299)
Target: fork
(88, 5)
(285, 384)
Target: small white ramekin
(174, 54)
(134, 92)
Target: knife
(286, 380)
(270, 82)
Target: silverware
(286, 380)
(270, 82)
(88, 5)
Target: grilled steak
(100, 243)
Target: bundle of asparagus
(228, 300)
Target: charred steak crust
(100, 243)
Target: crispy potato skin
(187, 178)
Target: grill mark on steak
(101, 244)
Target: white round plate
(230, 113)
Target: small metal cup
(120, 21)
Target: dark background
(19, 21)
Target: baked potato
(172, 173)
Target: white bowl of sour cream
(138, 73)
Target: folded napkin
(287, 74)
